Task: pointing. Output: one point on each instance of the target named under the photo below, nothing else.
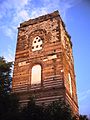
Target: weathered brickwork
(44, 41)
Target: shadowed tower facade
(44, 65)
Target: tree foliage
(9, 106)
(5, 75)
(9, 102)
(55, 111)
(32, 111)
(83, 117)
(59, 110)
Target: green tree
(9, 102)
(5, 75)
(55, 111)
(83, 117)
(59, 110)
(9, 106)
(32, 111)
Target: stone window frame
(37, 43)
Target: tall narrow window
(70, 83)
(36, 74)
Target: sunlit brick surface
(44, 41)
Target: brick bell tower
(44, 64)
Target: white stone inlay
(22, 63)
(50, 57)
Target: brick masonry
(55, 57)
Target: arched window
(36, 74)
(37, 44)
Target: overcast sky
(76, 16)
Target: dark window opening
(40, 45)
(36, 37)
(34, 41)
(37, 46)
(39, 40)
(33, 47)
